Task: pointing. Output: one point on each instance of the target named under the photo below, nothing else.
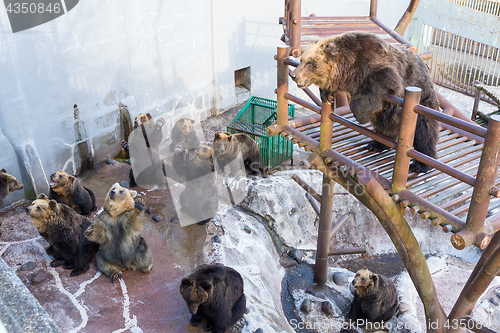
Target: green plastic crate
(253, 120)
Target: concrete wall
(170, 58)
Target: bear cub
(227, 147)
(368, 68)
(214, 293)
(8, 184)
(68, 190)
(375, 297)
(183, 134)
(63, 229)
(117, 231)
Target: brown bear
(367, 68)
(184, 135)
(227, 147)
(117, 231)
(63, 229)
(196, 170)
(145, 145)
(214, 293)
(68, 190)
(375, 297)
(8, 184)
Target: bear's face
(316, 65)
(59, 180)
(203, 153)
(11, 181)
(222, 142)
(195, 293)
(364, 282)
(185, 125)
(142, 119)
(119, 200)
(41, 211)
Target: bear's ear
(149, 115)
(133, 193)
(42, 196)
(217, 135)
(52, 204)
(374, 278)
(207, 286)
(3, 170)
(186, 282)
(330, 50)
(364, 267)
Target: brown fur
(368, 68)
(8, 184)
(227, 147)
(68, 190)
(375, 298)
(183, 135)
(117, 231)
(63, 229)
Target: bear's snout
(28, 209)
(112, 194)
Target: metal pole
(405, 140)
(282, 68)
(325, 225)
(294, 25)
(485, 180)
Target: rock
(149, 210)
(125, 184)
(109, 161)
(287, 262)
(327, 308)
(292, 211)
(296, 254)
(494, 301)
(351, 288)
(39, 277)
(259, 330)
(339, 278)
(316, 293)
(156, 218)
(403, 307)
(28, 266)
(247, 310)
(174, 220)
(247, 229)
(306, 306)
(217, 239)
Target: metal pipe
(307, 188)
(485, 180)
(406, 18)
(282, 69)
(338, 225)
(275, 129)
(373, 8)
(313, 204)
(353, 250)
(326, 129)
(325, 225)
(294, 26)
(405, 139)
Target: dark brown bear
(63, 229)
(117, 231)
(196, 170)
(68, 190)
(184, 135)
(214, 293)
(8, 184)
(375, 297)
(368, 68)
(144, 142)
(227, 147)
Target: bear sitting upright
(68, 190)
(214, 293)
(367, 68)
(227, 147)
(8, 184)
(63, 229)
(183, 134)
(375, 297)
(117, 231)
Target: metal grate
(458, 61)
(489, 7)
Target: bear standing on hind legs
(368, 68)
(117, 231)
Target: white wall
(170, 58)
